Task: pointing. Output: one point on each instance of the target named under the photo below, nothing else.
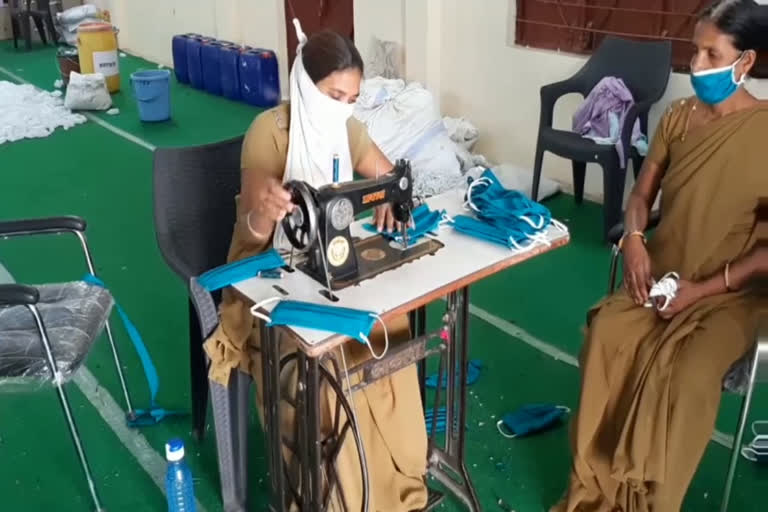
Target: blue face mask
(530, 419)
(505, 208)
(511, 238)
(424, 221)
(354, 323)
(237, 271)
(714, 86)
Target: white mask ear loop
(468, 203)
(377, 357)
(256, 307)
(755, 425)
(501, 430)
(749, 453)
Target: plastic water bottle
(178, 479)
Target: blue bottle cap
(174, 450)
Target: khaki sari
(651, 388)
(389, 412)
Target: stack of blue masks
(237, 271)
(530, 419)
(503, 216)
(424, 221)
(473, 374)
(439, 420)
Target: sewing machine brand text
(379, 195)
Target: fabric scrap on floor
(473, 373)
(28, 113)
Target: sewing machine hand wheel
(300, 227)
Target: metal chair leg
(115, 354)
(57, 379)
(614, 269)
(738, 438)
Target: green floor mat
(196, 116)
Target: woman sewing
(299, 142)
(652, 376)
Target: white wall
(455, 48)
(147, 26)
(497, 86)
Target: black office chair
(743, 375)
(22, 14)
(47, 331)
(645, 68)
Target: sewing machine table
(448, 273)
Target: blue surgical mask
(714, 86)
(530, 419)
(237, 271)
(425, 221)
(354, 323)
(511, 238)
(503, 207)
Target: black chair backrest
(194, 203)
(644, 67)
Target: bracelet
(627, 235)
(726, 275)
(258, 236)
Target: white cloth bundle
(87, 92)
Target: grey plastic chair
(645, 68)
(47, 331)
(742, 377)
(194, 206)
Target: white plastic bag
(87, 92)
(403, 120)
(386, 59)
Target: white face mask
(321, 108)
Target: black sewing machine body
(324, 215)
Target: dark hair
(745, 21)
(328, 51)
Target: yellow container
(97, 46)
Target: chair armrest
(553, 92)
(42, 226)
(637, 110)
(18, 295)
(617, 231)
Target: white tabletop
(463, 261)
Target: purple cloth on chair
(609, 99)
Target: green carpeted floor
(92, 172)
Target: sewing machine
(320, 225)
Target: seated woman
(651, 378)
(299, 141)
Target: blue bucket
(153, 94)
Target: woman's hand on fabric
(384, 218)
(270, 204)
(637, 270)
(688, 294)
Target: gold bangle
(627, 235)
(726, 275)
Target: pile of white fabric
(404, 121)
(68, 21)
(28, 113)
